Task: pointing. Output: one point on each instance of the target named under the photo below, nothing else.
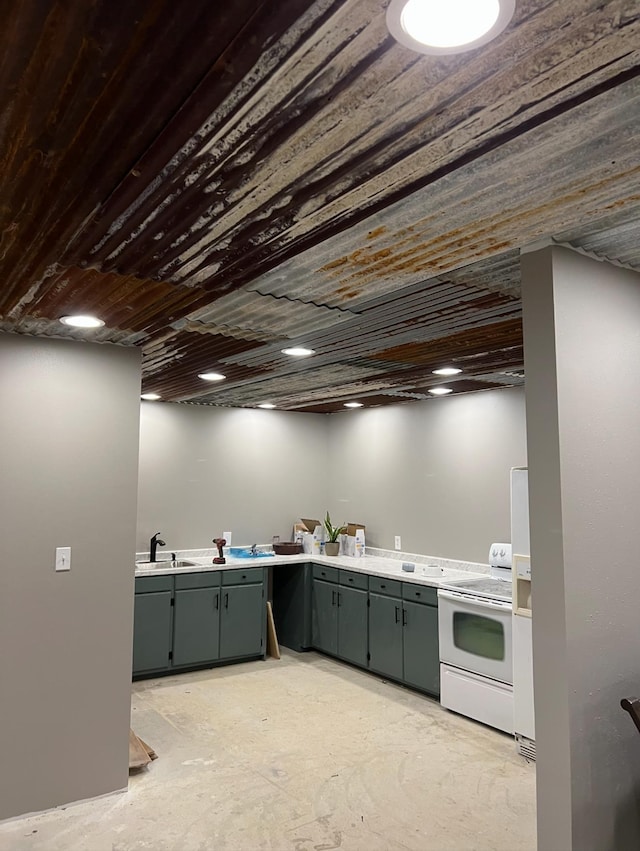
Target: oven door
(475, 634)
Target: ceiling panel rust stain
(303, 179)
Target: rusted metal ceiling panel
(585, 166)
(303, 178)
(251, 315)
(271, 166)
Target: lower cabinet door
(421, 653)
(151, 631)
(196, 626)
(352, 625)
(241, 621)
(324, 616)
(385, 635)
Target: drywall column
(582, 350)
(69, 418)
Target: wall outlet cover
(398, 544)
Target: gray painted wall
(410, 470)
(205, 470)
(582, 349)
(436, 473)
(69, 452)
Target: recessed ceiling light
(447, 26)
(447, 370)
(440, 391)
(298, 352)
(82, 321)
(211, 376)
(150, 397)
(353, 404)
(267, 406)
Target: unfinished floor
(301, 754)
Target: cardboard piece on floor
(273, 648)
(138, 756)
(148, 748)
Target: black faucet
(153, 543)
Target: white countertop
(375, 565)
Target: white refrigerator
(523, 710)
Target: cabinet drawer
(205, 579)
(242, 576)
(144, 584)
(420, 593)
(391, 587)
(331, 574)
(354, 580)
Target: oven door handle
(460, 597)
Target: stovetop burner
(486, 586)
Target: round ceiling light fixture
(447, 370)
(211, 376)
(150, 397)
(82, 321)
(440, 391)
(268, 406)
(353, 405)
(447, 26)
(298, 352)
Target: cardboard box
(311, 534)
(353, 541)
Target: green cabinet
(241, 620)
(421, 653)
(324, 616)
(193, 619)
(152, 624)
(403, 636)
(352, 625)
(339, 614)
(196, 626)
(385, 635)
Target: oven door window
(479, 635)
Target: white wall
(582, 349)
(69, 452)
(436, 473)
(206, 470)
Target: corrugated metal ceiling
(217, 183)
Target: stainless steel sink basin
(167, 563)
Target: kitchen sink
(167, 563)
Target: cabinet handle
(338, 598)
(396, 614)
(226, 601)
(404, 617)
(244, 575)
(333, 598)
(217, 601)
(417, 593)
(382, 586)
(351, 579)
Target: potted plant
(332, 544)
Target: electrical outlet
(398, 543)
(227, 537)
(63, 558)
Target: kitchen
(70, 425)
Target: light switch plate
(227, 537)
(398, 543)
(63, 558)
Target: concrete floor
(301, 754)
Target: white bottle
(359, 543)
